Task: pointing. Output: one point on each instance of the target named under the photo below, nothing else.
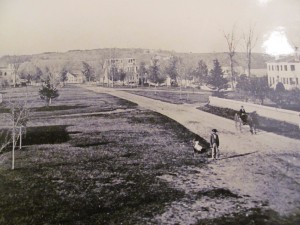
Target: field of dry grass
(91, 158)
(78, 167)
(175, 96)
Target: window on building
(297, 82)
(285, 67)
(291, 81)
(272, 67)
(277, 67)
(281, 67)
(273, 80)
(292, 67)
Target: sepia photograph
(163, 112)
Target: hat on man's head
(214, 130)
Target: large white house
(286, 71)
(74, 78)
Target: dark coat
(214, 138)
(242, 111)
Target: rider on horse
(243, 114)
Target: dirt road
(263, 169)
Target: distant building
(74, 78)
(286, 71)
(113, 65)
(7, 73)
(239, 70)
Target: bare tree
(250, 40)
(18, 117)
(232, 42)
(15, 65)
(181, 73)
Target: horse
(248, 119)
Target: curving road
(202, 123)
(265, 167)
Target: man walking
(214, 143)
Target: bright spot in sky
(264, 2)
(276, 43)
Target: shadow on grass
(217, 193)
(240, 155)
(57, 107)
(46, 135)
(93, 144)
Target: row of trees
(177, 71)
(37, 72)
(249, 40)
(257, 88)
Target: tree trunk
(249, 64)
(231, 68)
(13, 142)
(20, 136)
(13, 150)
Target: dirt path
(262, 169)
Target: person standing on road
(214, 144)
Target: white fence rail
(265, 111)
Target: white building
(7, 73)
(286, 71)
(239, 70)
(74, 78)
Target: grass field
(92, 169)
(92, 158)
(175, 96)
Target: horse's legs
(241, 122)
(236, 121)
(251, 128)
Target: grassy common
(91, 158)
(92, 168)
(175, 96)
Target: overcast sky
(35, 26)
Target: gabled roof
(287, 59)
(75, 73)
